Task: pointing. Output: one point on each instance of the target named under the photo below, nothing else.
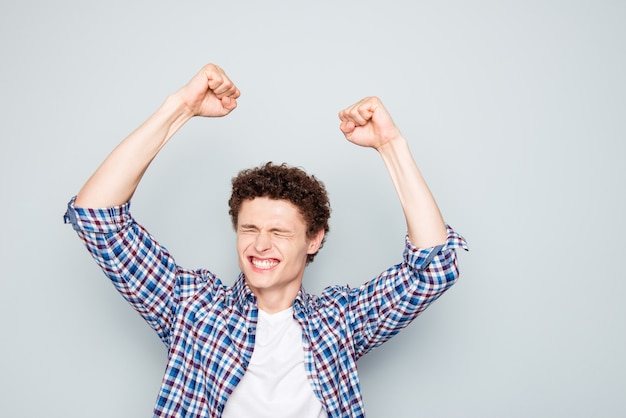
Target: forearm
(425, 224)
(115, 181)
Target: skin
(368, 124)
(211, 93)
(272, 246)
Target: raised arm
(209, 93)
(367, 123)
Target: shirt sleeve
(141, 270)
(383, 306)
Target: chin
(258, 280)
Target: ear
(315, 242)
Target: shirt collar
(244, 296)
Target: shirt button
(250, 330)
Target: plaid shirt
(209, 328)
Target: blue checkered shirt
(209, 328)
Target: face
(272, 246)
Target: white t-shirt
(275, 384)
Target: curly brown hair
(283, 182)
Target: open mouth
(263, 264)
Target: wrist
(177, 106)
(397, 144)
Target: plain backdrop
(516, 114)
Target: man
(263, 347)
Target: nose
(262, 242)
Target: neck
(272, 301)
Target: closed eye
(279, 232)
(282, 234)
(248, 228)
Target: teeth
(264, 264)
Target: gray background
(516, 114)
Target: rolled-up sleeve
(439, 262)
